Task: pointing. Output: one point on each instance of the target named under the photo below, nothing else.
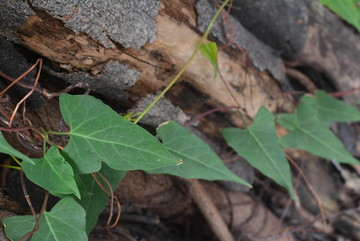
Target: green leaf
(52, 173)
(7, 149)
(98, 134)
(311, 134)
(259, 145)
(17, 226)
(93, 198)
(346, 9)
(66, 221)
(333, 110)
(209, 50)
(199, 160)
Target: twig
(343, 93)
(23, 128)
(19, 78)
(208, 209)
(80, 85)
(47, 94)
(209, 112)
(111, 195)
(26, 86)
(37, 219)
(39, 61)
(112, 204)
(26, 195)
(303, 79)
(312, 190)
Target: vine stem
(46, 138)
(209, 112)
(9, 166)
(173, 81)
(16, 160)
(57, 132)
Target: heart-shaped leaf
(6, 148)
(199, 160)
(259, 145)
(98, 134)
(311, 134)
(52, 173)
(66, 221)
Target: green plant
(308, 126)
(91, 142)
(349, 10)
(308, 130)
(104, 145)
(66, 221)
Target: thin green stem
(57, 132)
(16, 160)
(46, 138)
(173, 81)
(9, 166)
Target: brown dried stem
(312, 190)
(39, 61)
(47, 94)
(112, 197)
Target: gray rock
(161, 112)
(130, 23)
(13, 15)
(112, 81)
(281, 24)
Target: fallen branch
(208, 209)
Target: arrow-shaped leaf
(7, 149)
(259, 145)
(333, 110)
(98, 134)
(311, 134)
(52, 173)
(200, 161)
(66, 221)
